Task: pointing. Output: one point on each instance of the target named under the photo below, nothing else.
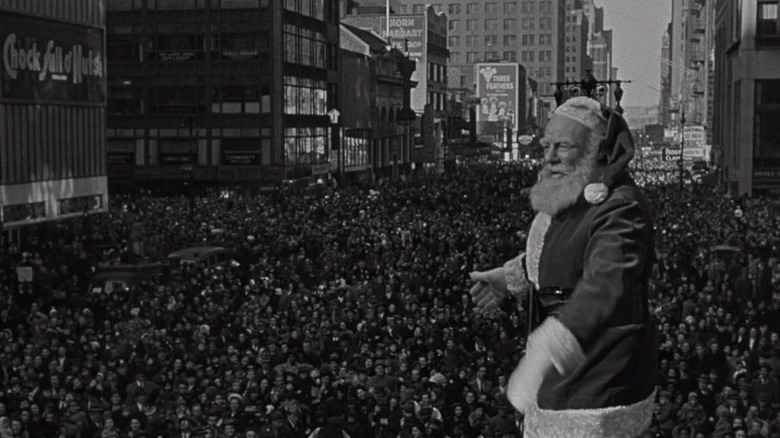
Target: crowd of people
(345, 312)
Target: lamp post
(334, 115)
(591, 87)
(682, 146)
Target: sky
(637, 31)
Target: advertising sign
(497, 90)
(407, 34)
(46, 61)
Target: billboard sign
(497, 89)
(46, 61)
(407, 34)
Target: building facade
(599, 42)
(691, 63)
(577, 37)
(530, 32)
(52, 110)
(746, 138)
(221, 91)
(665, 99)
(422, 36)
(375, 140)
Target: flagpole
(387, 19)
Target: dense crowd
(346, 311)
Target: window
(176, 99)
(304, 46)
(510, 24)
(491, 56)
(305, 96)
(545, 55)
(472, 41)
(454, 41)
(529, 23)
(767, 24)
(767, 135)
(305, 145)
(510, 40)
(472, 8)
(545, 39)
(471, 25)
(545, 23)
(510, 8)
(472, 57)
(528, 40)
(454, 9)
(418, 9)
(545, 7)
(527, 56)
(491, 8)
(454, 25)
(528, 7)
(456, 57)
(491, 40)
(491, 25)
(510, 56)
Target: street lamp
(591, 87)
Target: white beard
(553, 195)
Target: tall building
(52, 110)
(599, 40)
(664, 101)
(577, 33)
(221, 91)
(746, 138)
(531, 32)
(691, 45)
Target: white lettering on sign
(56, 62)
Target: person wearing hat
(504, 420)
(765, 388)
(590, 363)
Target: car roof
(195, 252)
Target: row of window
(187, 99)
(490, 8)
(437, 73)
(186, 47)
(305, 145)
(507, 40)
(309, 8)
(493, 24)
(456, 58)
(767, 23)
(305, 96)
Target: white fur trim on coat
(516, 281)
(534, 246)
(614, 422)
(561, 345)
(523, 387)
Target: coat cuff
(516, 280)
(561, 345)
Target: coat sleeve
(615, 262)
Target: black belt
(549, 301)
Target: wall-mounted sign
(407, 34)
(46, 61)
